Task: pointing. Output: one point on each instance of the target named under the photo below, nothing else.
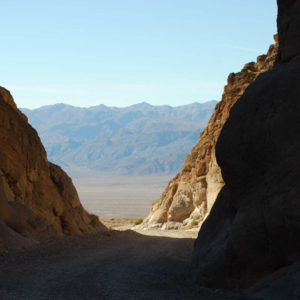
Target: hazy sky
(121, 52)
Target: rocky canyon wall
(254, 226)
(190, 195)
(37, 198)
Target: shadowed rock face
(288, 29)
(191, 194)
(37, 198)
(254, 226)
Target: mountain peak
(142, 105)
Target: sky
(122, 52)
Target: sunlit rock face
(254, 226)
(37, 198)
(189, 197)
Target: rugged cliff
(254, 226)
(37, 198)
(190, 195)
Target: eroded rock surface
(254, 226)
(190, 195)
(37, 198)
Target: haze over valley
(135, 140)
(120, 159)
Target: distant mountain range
(139, 139)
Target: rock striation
(254, 226)
(37, 198)
(189, 197)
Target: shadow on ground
(116, 265)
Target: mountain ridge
(143, 103)
(136, 139)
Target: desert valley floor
(120, 196)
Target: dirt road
(121, 265)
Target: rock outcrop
(190, 195)
(37, 198)
(288, 22)
(254, 226)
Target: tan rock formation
(37, 198)
(253, 228)
(191, 194)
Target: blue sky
(119, 53)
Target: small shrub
(138, 221)
(193, 224)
